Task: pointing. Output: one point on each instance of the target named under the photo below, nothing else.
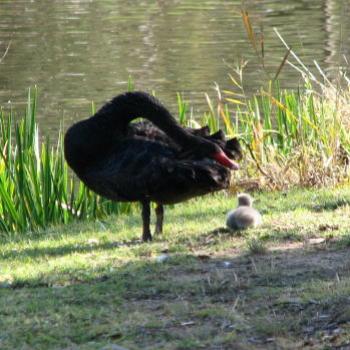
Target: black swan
(159, 162)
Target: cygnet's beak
(222, 158)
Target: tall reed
(291, 137)
(36, 187)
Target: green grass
(90, 284)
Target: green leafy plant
(36, 187)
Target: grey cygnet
(245, 215)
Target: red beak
(222, 158)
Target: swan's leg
(159, 218)
(146, 214)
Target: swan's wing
(148, 170)
(132, 172)
(185, 179)
(167, 181)
(147, 130)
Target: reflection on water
(78, 51)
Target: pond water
(78, 51)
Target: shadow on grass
(98, 228)
(66, 249)
(108, 224)
(245, 301)
(330, 205)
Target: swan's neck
(119, 112)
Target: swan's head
(244, 199)
(215, 152)
(222, 158)
(231, 149)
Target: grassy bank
(284, 285)
(289, 138)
